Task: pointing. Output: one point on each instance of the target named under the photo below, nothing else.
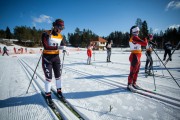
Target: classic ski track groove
(160, 97)
(142, 74)
(61, 108)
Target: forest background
(82, 38)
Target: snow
(98, 91)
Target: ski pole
(165, 67)
(154, 78)
(94, 56)
(34, 72)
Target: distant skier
(167, 49)
(52, 41)
(5, 51)
(135, 45)
(21, 50)
(14, 50)
(89, 54)
(108, 47)
(149, 60)
(26, 50)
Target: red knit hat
(59, 23)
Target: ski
(51, 105)
(172, 53)
(67, 104)
(53, 108)
(145, 90)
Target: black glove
(64, 51)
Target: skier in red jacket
(135, 45)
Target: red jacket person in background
(89, 54)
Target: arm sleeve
(137, 40)
(45, 38)
(63, 42)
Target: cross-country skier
(89, 54)
(5, 51)
(167, 49)
(52, 41)
(149, 60)
(108, 47)
(135, 45)
(14, 50)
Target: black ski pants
(49, 63)
(167, 52)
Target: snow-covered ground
(98, 91)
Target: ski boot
(136, 86)
(150, 73)
(59, 93)
(146, 71)
(130, 88)
(49, 100)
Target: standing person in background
(135, 45)
(21, 50)
(167, 49)
(149, 60)
(108, 47)
(26, 50)
(53, 41)
(89, 53)
(14, 50)
(0, 49)
(5, 51)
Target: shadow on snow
(22, 100)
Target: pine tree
(8, 33)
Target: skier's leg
(57, 74)
(90, 60)
(133, 63)
(7, 53)
(47, 68)
(169, 54)
(137, 67)
(146, 65)
(151, 64)
(107, 55)
(165, 54)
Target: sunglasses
(60, 27)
